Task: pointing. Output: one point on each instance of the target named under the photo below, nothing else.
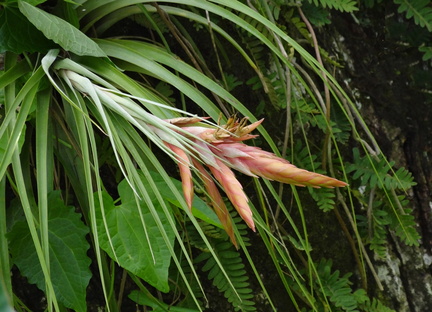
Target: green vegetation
(90, 201)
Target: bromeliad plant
(85, 120)
(218, 148)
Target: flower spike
(183, 162)
(234, 191)
(269, 166)
(216, 201)
(220, 149)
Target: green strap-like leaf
(69, 263)
(54, 28)
(4, 300)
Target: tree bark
(381, 73)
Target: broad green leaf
(69, 263)
(66, 35)
(68, 12)
(137, 244)
(18, 35)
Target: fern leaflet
(324, 197)
(374, 231)
(404, 222)
(318, 16)
(367, 305)
(341, 5)
(420, 10)
(375, 306)
(427, 52)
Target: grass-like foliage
(96, 121)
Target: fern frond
(305, 107)
(402, 179)
(403, 221)
(370, 171)
(375, 173)
(274, 88)
(318, 16)
(379, 242)
(324, 198)
(337, 288)
(375, 305)
(341, 5)
(267, 80)
(236, 288)
(427, 52)
(255, 24)
(209, 230)
(342, 129)
(300, 26)
(420, 10)
(406, 230)
(374, 231)
(231, 82)
(321, 122)
(367, 305)
(239, 293)
(386, 217)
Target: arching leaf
(61, 32)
